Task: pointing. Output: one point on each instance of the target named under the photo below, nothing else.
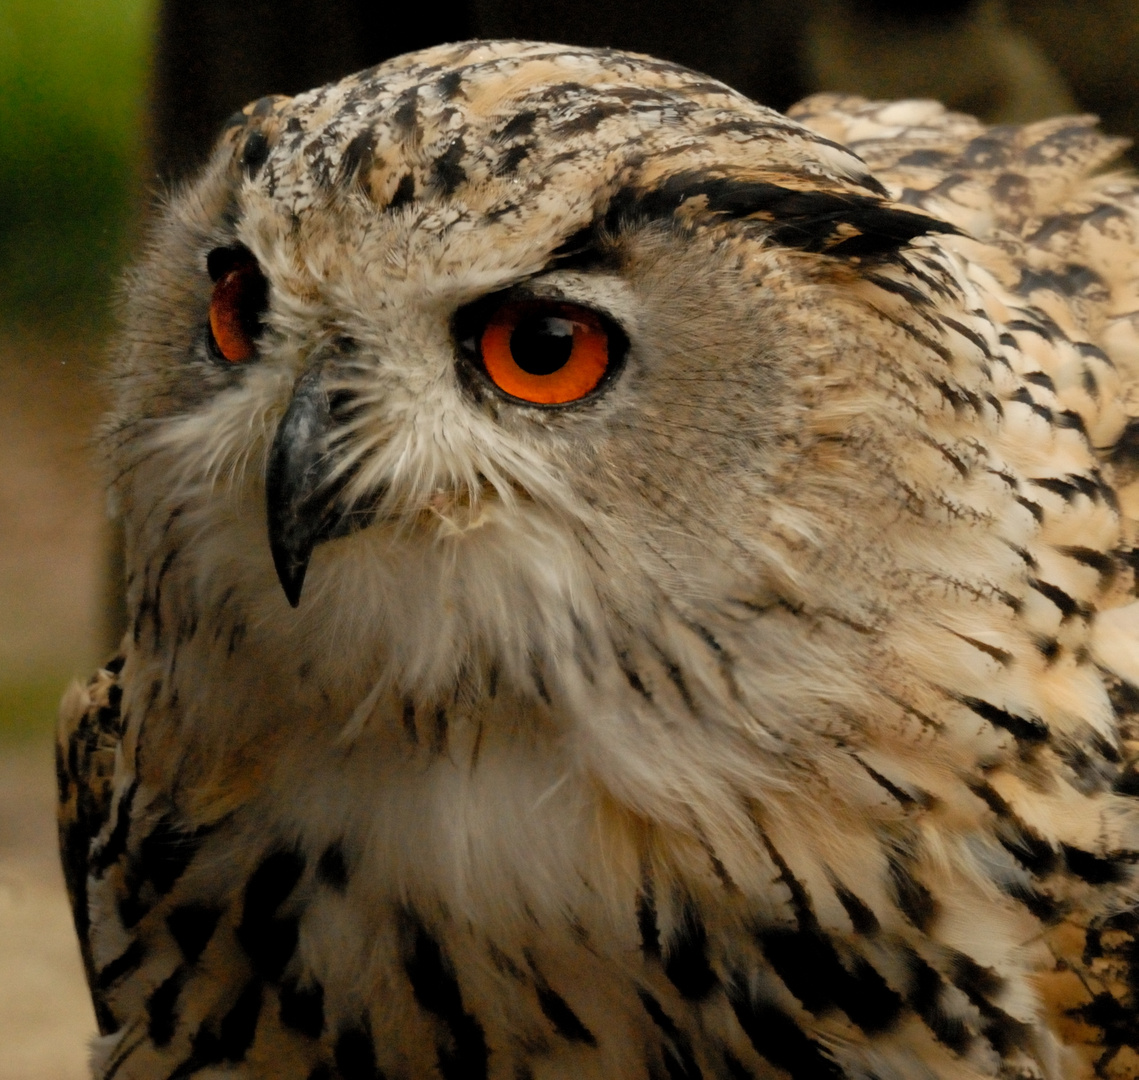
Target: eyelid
(564, 287)
(220, 260)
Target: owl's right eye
(240, 297)
(541, 351)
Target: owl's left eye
(240, 297)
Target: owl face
(497, 331)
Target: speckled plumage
(769, 713)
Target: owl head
(499, 349)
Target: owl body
(621, 585)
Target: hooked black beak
(302, 504)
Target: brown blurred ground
(45, 1013)
(50, 507)
(50, 545)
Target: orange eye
(546, 352)
(239, 299)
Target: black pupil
(541, 344)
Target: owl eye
(240, 297)
(547, 352)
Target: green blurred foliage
(28, 708)
(72, 88)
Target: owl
(623, 584)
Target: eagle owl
(623, 584)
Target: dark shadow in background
(213, 56)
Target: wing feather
(87, 742)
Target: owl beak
(301, 502)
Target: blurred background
(73, 79)
(106, 103)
